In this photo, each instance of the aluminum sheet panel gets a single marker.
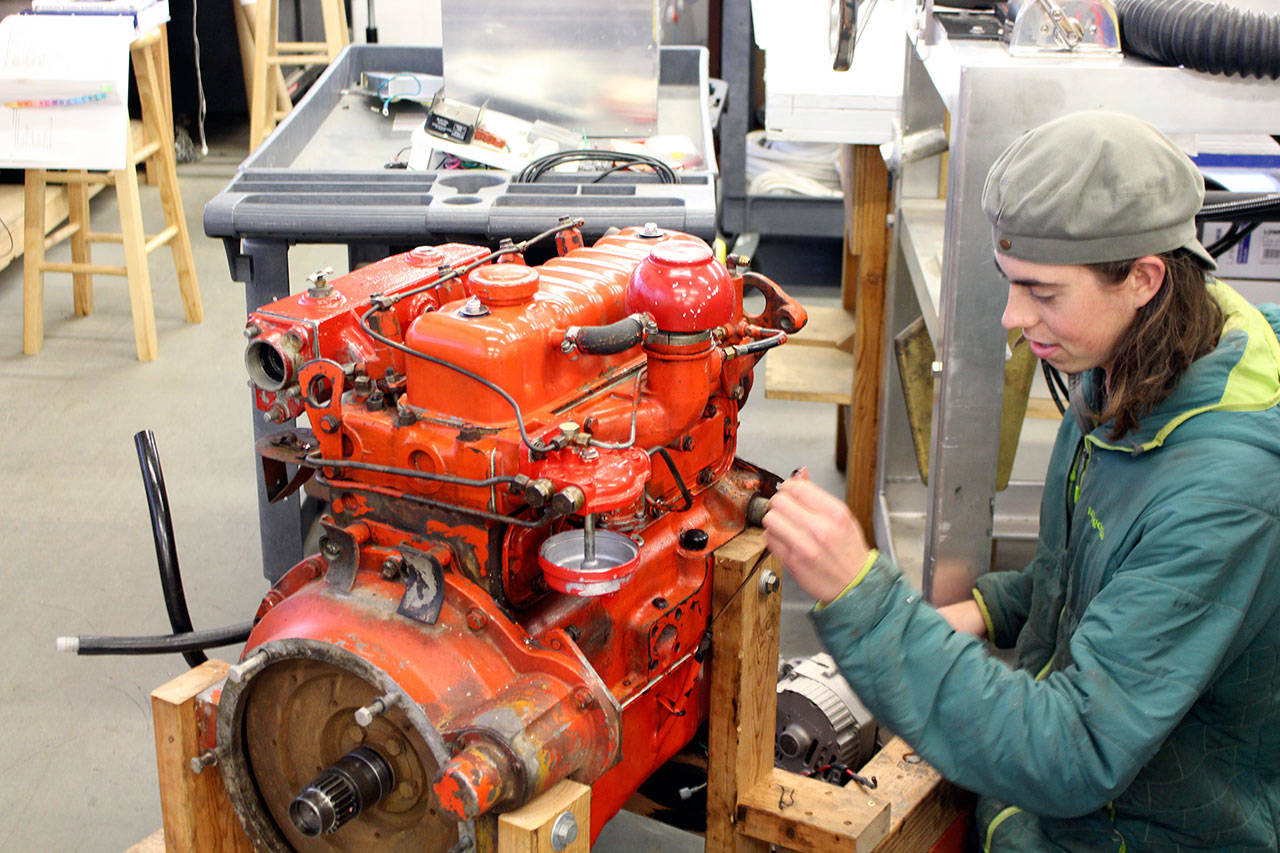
(586, 65)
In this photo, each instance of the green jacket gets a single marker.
(1143, 707)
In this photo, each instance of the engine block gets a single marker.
(527, 469)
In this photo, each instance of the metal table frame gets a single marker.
(942, 269)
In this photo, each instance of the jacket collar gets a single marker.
(1241, 374)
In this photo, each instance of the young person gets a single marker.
(1143, 708)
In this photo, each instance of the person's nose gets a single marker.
(1018, 313)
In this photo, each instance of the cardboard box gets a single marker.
(1256, 256)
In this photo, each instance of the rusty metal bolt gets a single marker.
(705, 476)
(252, 331)
(329, 547)
(329, 424)
(477, 619)
(582, 698)
(374, 403)
(391, 567)
(208, 758)
(362, 385)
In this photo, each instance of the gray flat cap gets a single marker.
(1092, 187)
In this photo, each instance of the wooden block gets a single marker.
(810, 374)
(744, 675)
(923, 805)
(800, 813)
(197, 812)
(528, 829)
(828, 326)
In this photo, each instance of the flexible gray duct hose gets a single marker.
(1203, 36)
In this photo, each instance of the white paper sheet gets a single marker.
(59, 57)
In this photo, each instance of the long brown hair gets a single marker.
(1181, 323)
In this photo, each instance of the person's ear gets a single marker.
(1145, 279)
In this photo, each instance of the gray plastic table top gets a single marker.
(321, 176)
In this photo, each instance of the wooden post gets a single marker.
(530, 828)
(197, 813)
(866, 258)
(744, 670)
(922, 804)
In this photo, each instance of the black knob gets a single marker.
(693, 540)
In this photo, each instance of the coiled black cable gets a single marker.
(536, 169)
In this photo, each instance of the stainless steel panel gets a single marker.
(586, 65)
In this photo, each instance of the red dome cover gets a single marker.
(682, 287)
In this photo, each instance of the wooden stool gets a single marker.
(148, 57)
(269, 53)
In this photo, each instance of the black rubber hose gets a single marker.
(175, 599)
(188, 643)
(611, 339)
(1203, 36)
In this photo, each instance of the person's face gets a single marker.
(1070, 317)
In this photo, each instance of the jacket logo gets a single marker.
(1097, 525)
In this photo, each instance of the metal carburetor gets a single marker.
(528, 469)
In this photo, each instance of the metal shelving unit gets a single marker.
(942, 533)
(781, 215)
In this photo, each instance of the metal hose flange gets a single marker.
(1203, 36)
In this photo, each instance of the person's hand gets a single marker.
(815, 537)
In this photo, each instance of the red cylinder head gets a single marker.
(683, 287)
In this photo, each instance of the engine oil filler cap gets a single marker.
(561, 557)
(682, 286)
(499, 285)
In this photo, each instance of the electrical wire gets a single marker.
(201, 109)
(354, 486)
(539, 167)
(189, 642)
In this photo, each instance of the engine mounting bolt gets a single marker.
(252, 331)
(564, 831)
(363, 385)
(391, 567)
(582, 698)
(208, 758)
(477, 619)
(329, 547)
(705, 476)
(374, 403)
(660, 603)
(329, 424)
(277, 414)
(709, 411)
(686, 443)
(241, 671)
(405, 415)
(769, 582)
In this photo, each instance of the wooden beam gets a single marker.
(867, 240)
(800, 813)
(530, 828)
(744, 675)
(923, 805)
(197, 813)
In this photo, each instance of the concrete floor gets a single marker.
(77, 766)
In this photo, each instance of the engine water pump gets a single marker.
(527, 470)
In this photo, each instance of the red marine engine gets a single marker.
(528, 469)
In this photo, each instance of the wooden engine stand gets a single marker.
(750, 804)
